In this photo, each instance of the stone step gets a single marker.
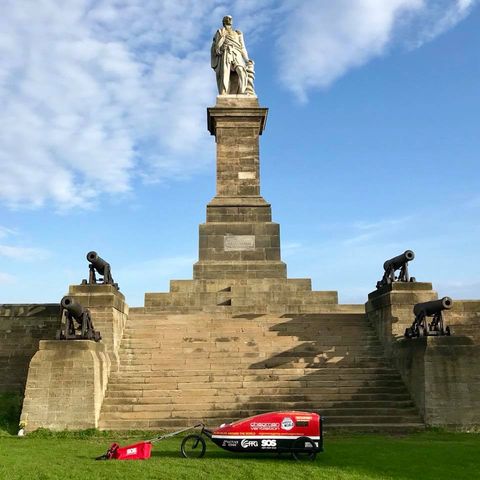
(324, 405)
(267, 338)
(236, 394)
(256, 319)
(128, 378)
(339, 372)
(233, 357)
(351, 311)
(225, 368)
(164, 330)
(344, 418)
(261, 340)
(186, 397)
(179, 321)
(171, 382)
(194, 354)
(295, 284)
(279, 309)
(239, 297)
(201, 410)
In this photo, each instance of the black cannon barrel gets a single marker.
(75, 309)
(433, 307)
(98, 262)
(399, 260)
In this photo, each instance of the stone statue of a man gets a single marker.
(230, 61)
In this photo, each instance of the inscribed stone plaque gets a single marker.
(246, 175)
(234, 243)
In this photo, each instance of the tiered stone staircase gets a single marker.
(177, 369)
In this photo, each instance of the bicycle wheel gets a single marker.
(193, 446)
(304, 449)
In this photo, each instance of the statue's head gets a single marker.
(227, 21)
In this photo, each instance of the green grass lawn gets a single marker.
(416, 457)
(70, 456)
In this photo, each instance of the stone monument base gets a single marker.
(442, 375)
(65, 386)
(244, 295)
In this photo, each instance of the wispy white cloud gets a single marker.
(366, 231)
(350, 257)
(16, 252)
(94, 93)
(442, 16)
(5, 232)
(26, 254)
(321, 40)
(97, 94)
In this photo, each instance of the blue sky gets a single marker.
(372, 141)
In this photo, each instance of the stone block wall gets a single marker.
(441, 373)
(21, 329)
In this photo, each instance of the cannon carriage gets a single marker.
(422, 311)
(400, 262)
(98, 265)
(76, 322)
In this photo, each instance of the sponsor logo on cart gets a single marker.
(265, 426)
(269, 444)
(287, 423)
(131, 451)
(249, 443)
(230, 443)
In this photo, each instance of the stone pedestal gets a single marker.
(239, 239)
(65, 386)
(390, 308)
(441, 373)
(443, 377)
(109, 314)
(239, 270)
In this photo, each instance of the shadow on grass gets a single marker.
(10, 409)
(225, 455)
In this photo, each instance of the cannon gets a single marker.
(102, 267)
(434, 309)
(400, 262)
(76, 322)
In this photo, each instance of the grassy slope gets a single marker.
(421, 456)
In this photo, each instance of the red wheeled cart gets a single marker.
(298, 433)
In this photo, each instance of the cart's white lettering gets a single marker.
(230, 443)
(287, 424)
(268, 443)
(131, 451)
(249, 443)
(265, 426)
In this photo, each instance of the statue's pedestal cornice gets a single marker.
(232, 109)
